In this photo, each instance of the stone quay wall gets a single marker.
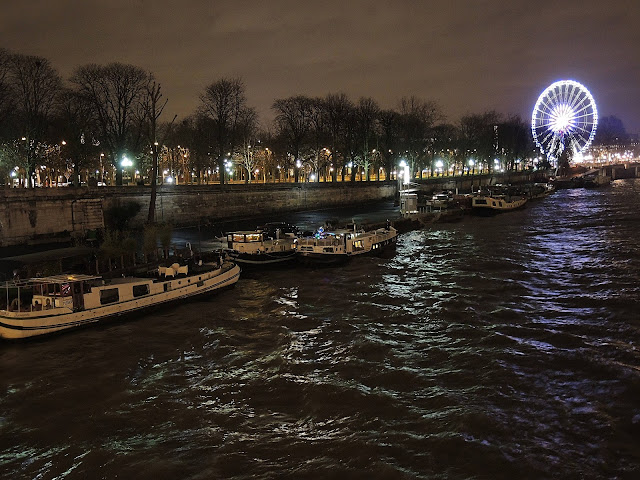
(45, 215)
(183, 205)
(42, 215)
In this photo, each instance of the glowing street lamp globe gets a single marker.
(565, 116)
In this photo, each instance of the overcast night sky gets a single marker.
(469, 56)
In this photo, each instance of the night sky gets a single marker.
(469, 56)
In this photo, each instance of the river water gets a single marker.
(503, 347)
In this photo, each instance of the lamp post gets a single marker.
(439, 165)
(126, 162)
(405, 176)
(101, 158)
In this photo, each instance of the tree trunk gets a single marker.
(76, 175)
(221, 169)
(154, 175)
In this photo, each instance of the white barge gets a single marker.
(39, 306)
(272, 244)
(491, 204)
(336, 247)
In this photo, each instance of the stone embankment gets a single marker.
(44, 215)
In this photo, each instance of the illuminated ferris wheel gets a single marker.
(565, 116)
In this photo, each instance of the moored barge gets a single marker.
(40, 306)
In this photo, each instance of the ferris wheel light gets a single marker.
(565, 116)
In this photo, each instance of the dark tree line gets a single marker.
(104, 119)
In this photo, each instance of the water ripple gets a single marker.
(492, 348)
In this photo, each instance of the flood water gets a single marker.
(504, 347)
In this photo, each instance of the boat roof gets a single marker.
(64, 278)
(53, 279)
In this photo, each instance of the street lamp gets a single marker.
(439, 165)
(101, 169)
(126, 162)
(404, 167)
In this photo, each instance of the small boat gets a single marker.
(539, 190)
(271, 244)
(440, 201)
(338, 246)
(442, 207)
(496, 200)
(39, 306)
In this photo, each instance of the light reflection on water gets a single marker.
(492, 348)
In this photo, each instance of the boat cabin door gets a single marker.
(78, 296)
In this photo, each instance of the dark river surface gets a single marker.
(504, 347)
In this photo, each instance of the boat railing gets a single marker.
(321, 242)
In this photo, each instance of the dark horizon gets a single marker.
(468, 58)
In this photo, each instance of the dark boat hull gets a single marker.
(380, 249)
(262, 259)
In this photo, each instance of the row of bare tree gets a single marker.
(106, 112)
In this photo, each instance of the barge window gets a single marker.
(140, 290)
(110, 295)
